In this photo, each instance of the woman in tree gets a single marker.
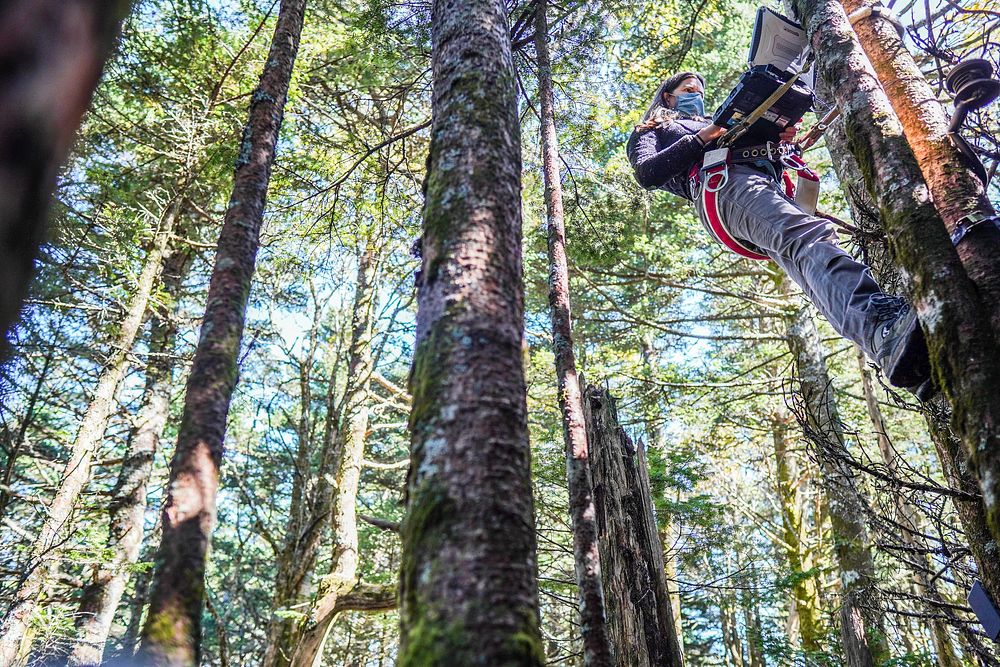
(748, 212)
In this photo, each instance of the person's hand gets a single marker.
(711, 132)
(788, 134)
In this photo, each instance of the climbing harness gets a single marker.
(713, 176)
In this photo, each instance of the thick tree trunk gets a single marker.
(963, 347)
(468, 587)
(597, 649)
(53, 52)
(127, 509)
(343, 575)
(172, 634)
(793, 530)
(54, 532)
(955, 190)
(862, 634)
(953, 458)
(640, 619)
(957, 194)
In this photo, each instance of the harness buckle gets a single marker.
(714, 185)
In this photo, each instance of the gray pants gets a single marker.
(754, 208)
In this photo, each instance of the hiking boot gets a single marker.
(900, 348)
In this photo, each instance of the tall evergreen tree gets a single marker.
(468, 587)
(172, 633)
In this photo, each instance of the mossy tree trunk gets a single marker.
(172, 633)
(957, 193)
(794, 526)
(954, 188)
(952, 456)
(586, 555)
(862, 632)
(57, 527)
(127, 509)
(468, 586)
(640, 617)
(57, 48)
(963, 346)
(343, 574)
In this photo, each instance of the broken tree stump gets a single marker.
(640, 619)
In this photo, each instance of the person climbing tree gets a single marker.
(747, 211)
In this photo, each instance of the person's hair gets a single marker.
(659, 113)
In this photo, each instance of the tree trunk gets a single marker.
(468, 587)
(957, 194)
(343, 575)
(793, 530)
(963, 348)
(172, 634)
(57, 527)
(862, 633)
(953, 458)
(597, 649)
(53, 53)
(127, 508)
(640, 619)
(955, 190)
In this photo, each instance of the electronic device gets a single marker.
(777, 53)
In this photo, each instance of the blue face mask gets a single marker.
(690, 103)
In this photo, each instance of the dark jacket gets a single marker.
(663, 156)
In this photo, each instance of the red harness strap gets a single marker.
(715, 179)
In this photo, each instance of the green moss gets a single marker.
(526, 644)
(430, 643)
(426, 376)
(426, 640)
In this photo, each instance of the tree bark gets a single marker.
(468, 587)
(862, 633)
(640, 618)
(127, 509)
(597, 649)
(963, 348)
(172, 633)
(955, 190)
(953, 458)
(56, 529)
(957, 193)
(52, 55)
(793, 530)
(343, 575)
